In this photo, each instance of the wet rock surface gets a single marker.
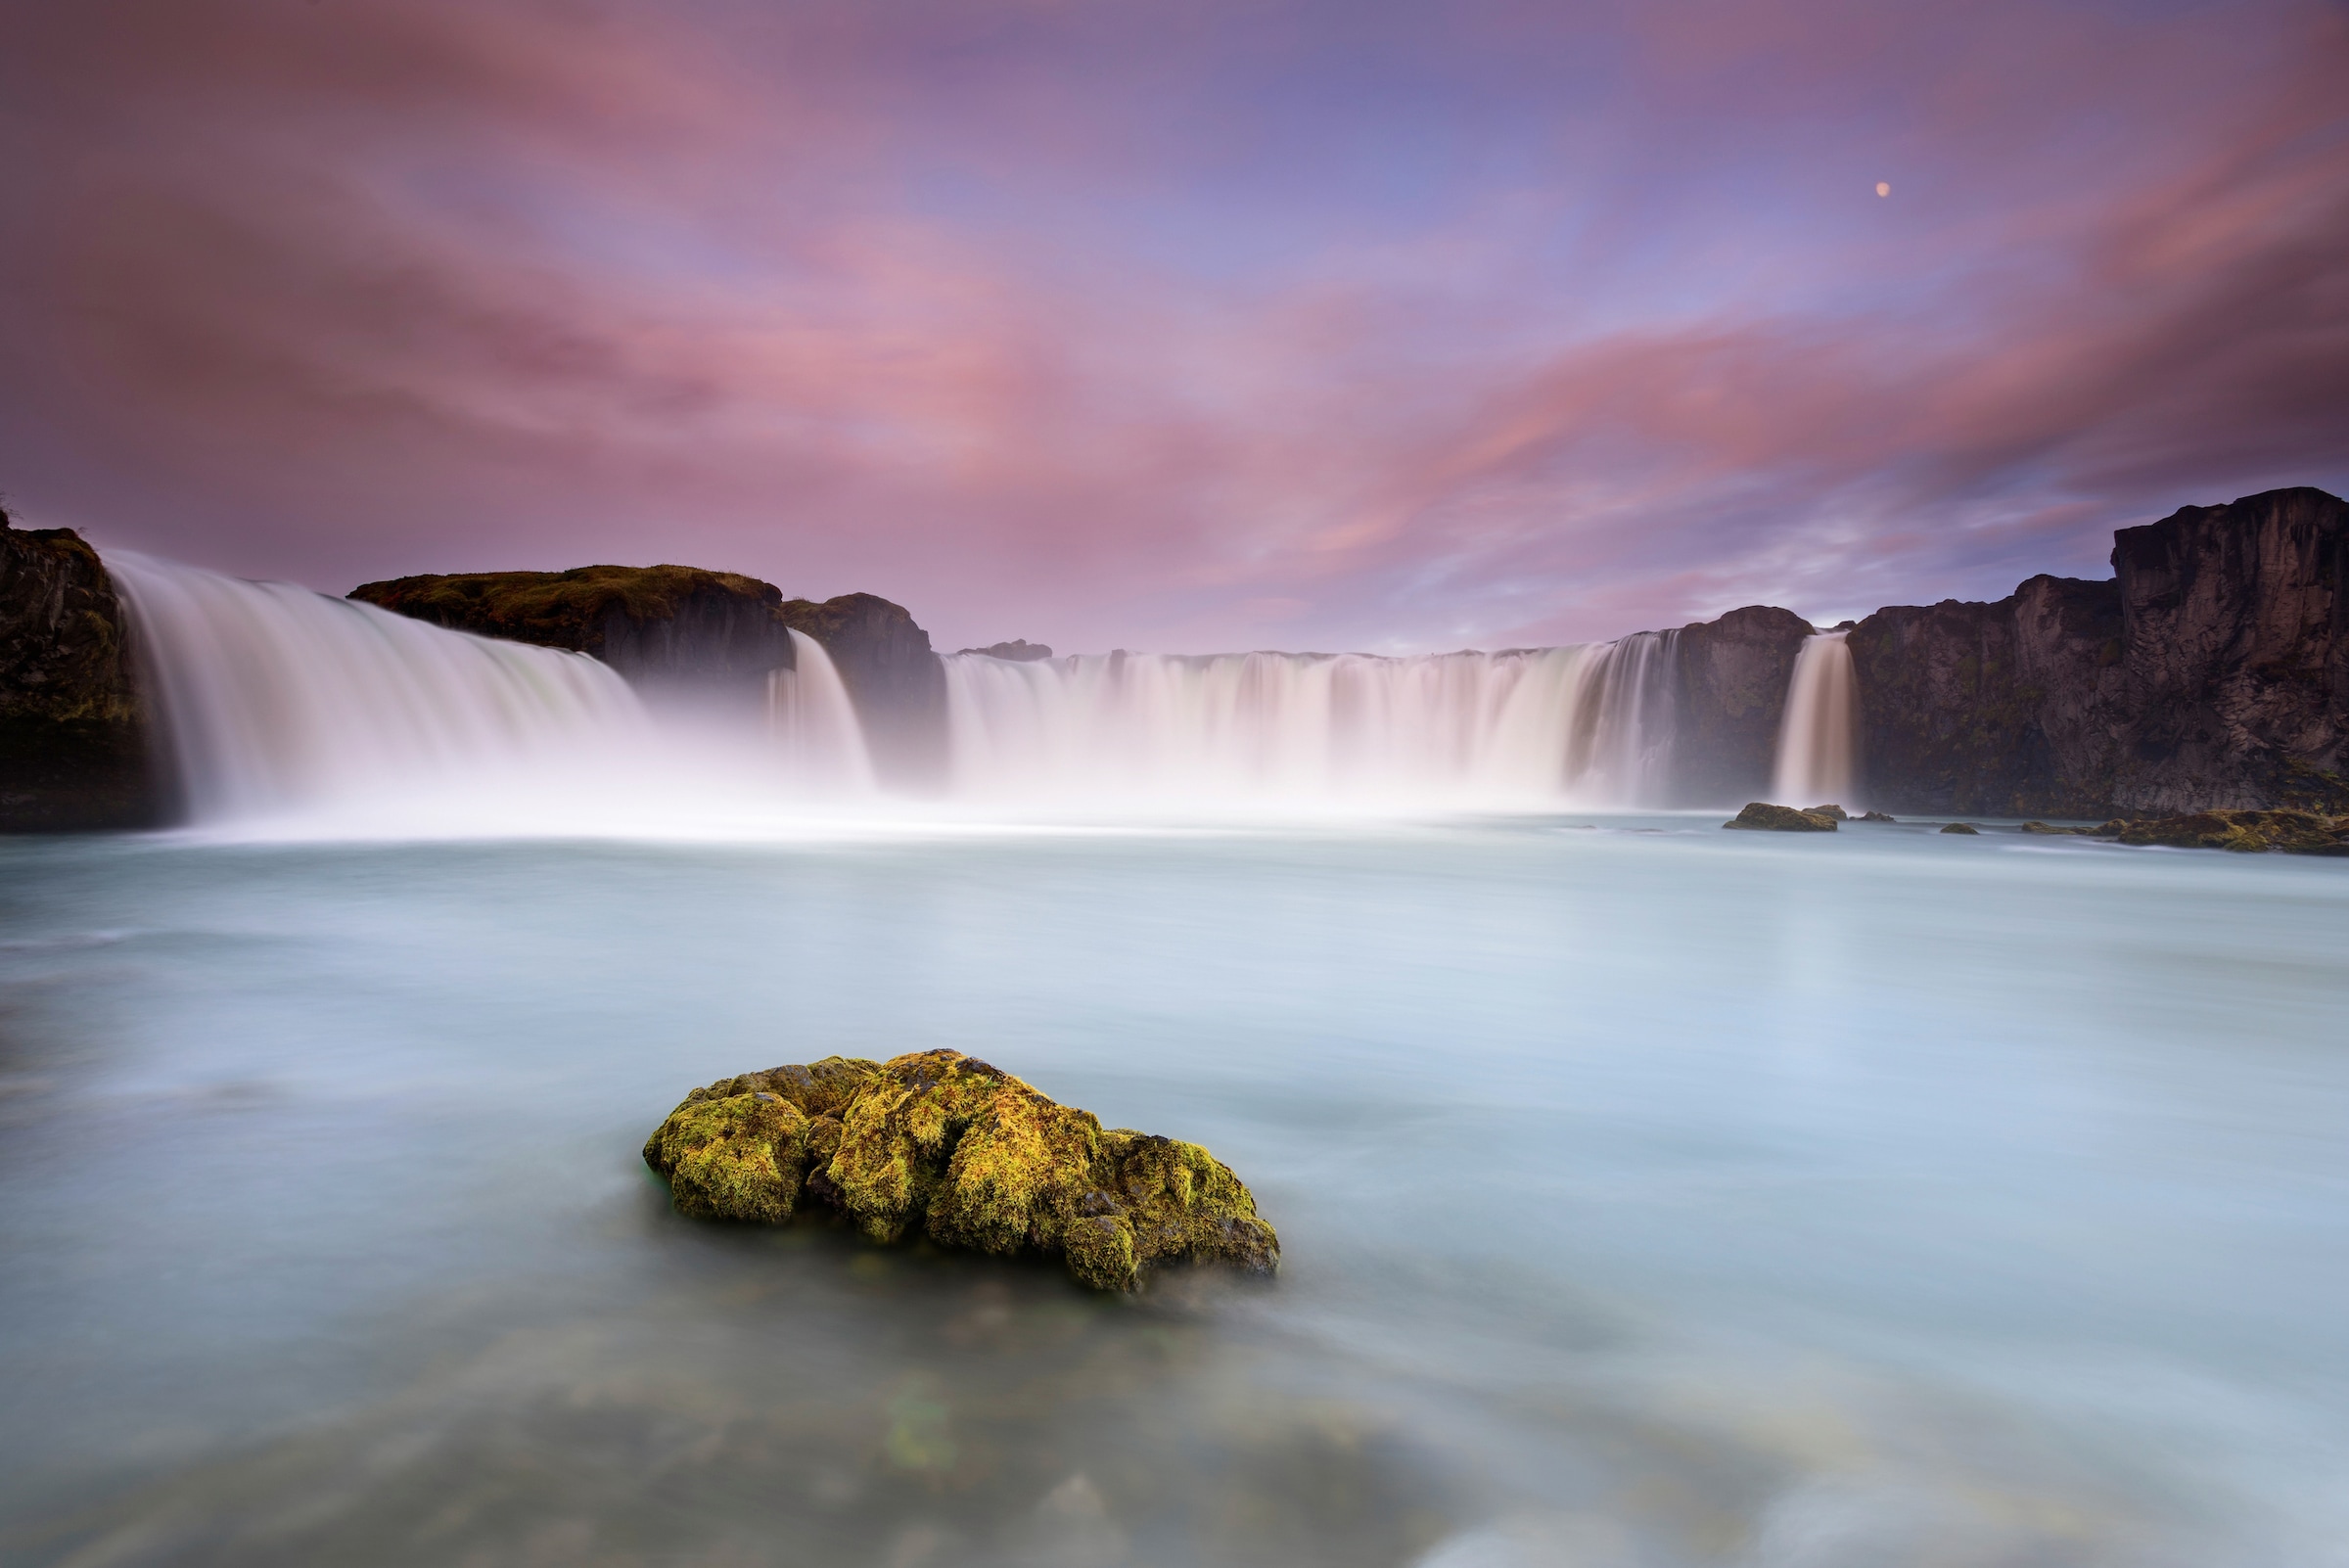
(2244, 832)
(944, 1145)
(1762, 817)
(73, 743)
(1966, 828)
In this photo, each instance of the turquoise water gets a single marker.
(1649, 1195)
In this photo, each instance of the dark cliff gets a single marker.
(74, 752)
(662, 626)
(2211, 672)
(696, 635)
(2236, 651)
(1990, 707)
(1732, 694)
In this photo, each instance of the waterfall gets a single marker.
(1818, 740)
(814, 724)
(277, 700)
(1530, 728)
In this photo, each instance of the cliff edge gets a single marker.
(74, 752)
(692, 634)
(2212, 670)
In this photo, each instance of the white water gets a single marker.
(814, 724)
(1536, 728)
(278, 702)
(285, 712)
(1818, 741)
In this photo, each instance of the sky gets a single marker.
(1309, 324)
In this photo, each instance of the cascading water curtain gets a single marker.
(1818, 740)
(814, 724)
(276, 700)
(1528, 729)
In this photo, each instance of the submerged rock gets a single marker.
(2052, 830)
(1960, 827)
(1762, 817)
(1877, 816)
(2244, 832)
(963, 1152)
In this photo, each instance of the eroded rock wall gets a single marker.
(74, 742)
(2236, 649)
(1733, 675)
(2001, 709)
(2211, 672)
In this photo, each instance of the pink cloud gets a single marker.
(993, 316)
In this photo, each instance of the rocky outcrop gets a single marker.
(73, 746)
(1760, 817)
(1019, 651)
(894, 677)
(1733, 675)
(2236, 654)
(2244, 832)
(2213, 670)
(1984, 707)
(968, 1155)
(665, 627)
(693, 634)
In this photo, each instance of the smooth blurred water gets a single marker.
(1651, 1195)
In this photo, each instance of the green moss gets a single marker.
(965, 1153)
(1760, 817)
(2242, 832)
(742, 1157)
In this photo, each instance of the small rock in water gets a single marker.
(963, 1151)
(2066, 832)
(1762, 817)
(1961, 828)
(1835, 811)
(1877, 816)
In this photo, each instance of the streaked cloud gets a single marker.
(1370, 326)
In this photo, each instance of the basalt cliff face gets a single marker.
(2211, 672)
(694, 634)
(1730, 699)
(73, 746)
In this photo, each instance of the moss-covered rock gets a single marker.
(1960, 827)
(963, 1152)
(1835, 811)
(1763, 817)
(1877, 816)
(2244, 832)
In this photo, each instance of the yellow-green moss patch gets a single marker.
(945, 1144)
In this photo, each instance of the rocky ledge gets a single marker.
(2245, 832)
(966, 1153)
(74, 750)
(1763, 817)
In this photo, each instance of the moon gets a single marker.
(1883, 188)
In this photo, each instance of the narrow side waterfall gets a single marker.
(814, 724)
(1530, 728)
(1818, 740)
(276, 700)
